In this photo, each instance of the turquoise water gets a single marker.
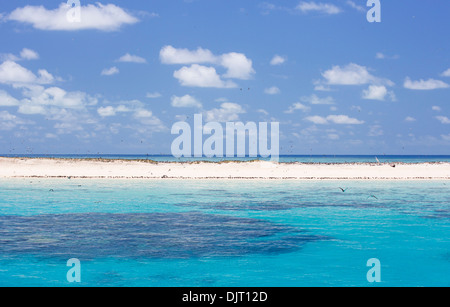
(282, 158)
(224, 233)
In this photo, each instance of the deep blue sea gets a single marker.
(224, 232)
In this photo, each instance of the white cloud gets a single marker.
(325, 8)
(336, 119)
(45, 77)
(153, 95)
(314, 99)
(110, 71)
(7, 100)
(262, 111)
(446, 137)
(382, 56)
(9, 57)
(443, 119)
(272, 90)
(277, 60)
(430, 84)
(142, 113)
(410, 119)
(30, 109)
(238, 66)
(171, 55)
(29, 54)
(297, 106)
(129, 58)
(201, 76)
(25, 54)
(375, 92)
(10, 121)
(186, 101)
(227, 112)
(446, 73)
(436, 108)
(344, 120)
(39, 100)
(356, 6)
(352, 74)
(109, 111)
(318, 120)
(11, 72)
(101, 17)
(321, 88)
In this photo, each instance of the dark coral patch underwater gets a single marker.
(154, 235)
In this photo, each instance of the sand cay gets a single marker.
(100, 168)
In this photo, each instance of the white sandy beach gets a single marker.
(59, 168)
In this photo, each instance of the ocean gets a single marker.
(224, 232)
(282, 158)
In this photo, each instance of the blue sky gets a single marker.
(118, 80)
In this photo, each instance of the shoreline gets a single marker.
(229, 170)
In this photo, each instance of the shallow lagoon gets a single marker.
(224, 233)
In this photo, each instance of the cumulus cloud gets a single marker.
(318, 120)
(10, 121)
(430, 84)
(277, 60)
(143, 113)
(13, 73)
(171, 55)
(272, 90)
(129, 58)
(101, 17)
(153, 95)
(352, 74)
(106, 111)
(39, 98)
(185, 101)
(297, 106)
(28, 54)
(336, 119)
(227, 112)
(7, 100)
(375, 92)
(443, 119)
(436, 108)
(324, 8)
(110, 71)
(410, 119)
(314, 99)
(201, 76)
(237, 66)
(446, 73)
